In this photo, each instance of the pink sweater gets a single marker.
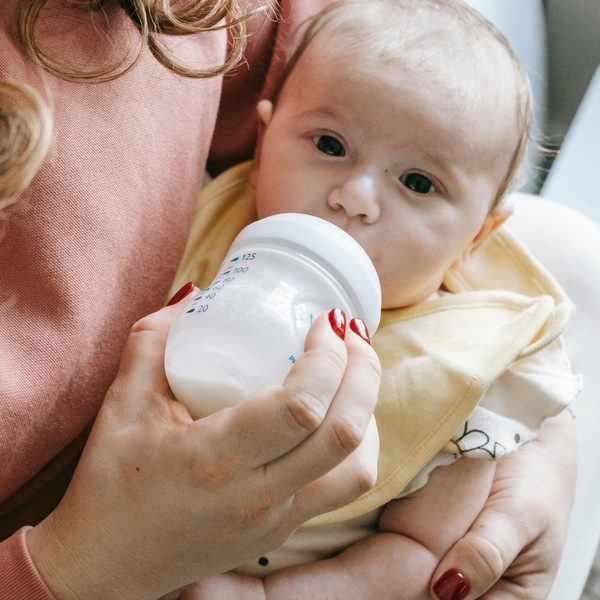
(97, 240)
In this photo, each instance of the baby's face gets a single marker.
(409, 173)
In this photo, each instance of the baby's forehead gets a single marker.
(427, 43)
(457, 53)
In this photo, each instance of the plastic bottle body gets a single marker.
(246, 330)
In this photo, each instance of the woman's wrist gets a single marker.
(72, 571)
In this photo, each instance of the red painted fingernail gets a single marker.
(181, 294)
(360, 329)
(337, 320)
(452, 585)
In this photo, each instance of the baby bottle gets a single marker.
(248, 327)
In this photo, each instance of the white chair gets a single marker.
(567, 241)
(562, 227)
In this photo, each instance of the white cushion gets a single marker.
(568, 244)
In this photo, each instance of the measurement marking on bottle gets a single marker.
(201, 309)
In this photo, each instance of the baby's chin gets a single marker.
(388, 302)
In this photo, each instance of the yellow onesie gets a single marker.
(463, 375)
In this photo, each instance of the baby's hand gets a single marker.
(228, 586)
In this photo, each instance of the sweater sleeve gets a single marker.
(19, 579)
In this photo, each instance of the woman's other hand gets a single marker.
(513, 549)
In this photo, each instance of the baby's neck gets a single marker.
(434, 296)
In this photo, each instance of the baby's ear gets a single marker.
(264, 109)
(497, 217)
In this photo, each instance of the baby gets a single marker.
(406, 124)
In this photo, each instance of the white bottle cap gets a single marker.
(324, 241)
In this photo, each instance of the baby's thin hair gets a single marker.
(25, 133)
(400, 36)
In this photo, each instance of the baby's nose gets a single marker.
(358, 197)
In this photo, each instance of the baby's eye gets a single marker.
(418, 183)
(330, 145)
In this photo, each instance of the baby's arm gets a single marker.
(414, 534)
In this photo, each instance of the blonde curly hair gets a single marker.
(152, 19)
(25, 132)
(25, 119)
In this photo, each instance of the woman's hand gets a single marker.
(159, 500)
(513, 549)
